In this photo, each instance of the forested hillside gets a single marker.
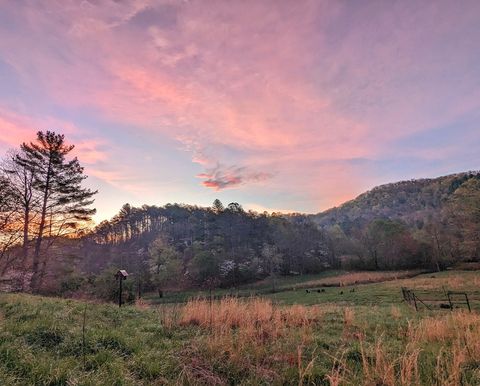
(186, 245)
(412, 201)
(48, 243)
(426, 222)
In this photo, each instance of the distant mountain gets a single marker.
(411, 201)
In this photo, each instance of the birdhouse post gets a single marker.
(121, 275)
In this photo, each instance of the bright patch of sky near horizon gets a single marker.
(277, 105)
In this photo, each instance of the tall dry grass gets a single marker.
(395, 312)
(256, 336)
(457, 282)
(363, 277)
(381, 367)
(458, 335)
(449, 327)
(348, 316)
(234, 313)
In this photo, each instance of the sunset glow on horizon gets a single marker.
(276, 105)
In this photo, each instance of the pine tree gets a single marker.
(64, 202)
(217, 206)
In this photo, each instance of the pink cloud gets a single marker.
(17, 128)
(90, 151)
(288, 88)
(221, 177)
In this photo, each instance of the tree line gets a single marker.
(48, 240)
(185, 245)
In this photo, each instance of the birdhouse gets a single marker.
(121, 274)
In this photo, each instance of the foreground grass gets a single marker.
(41, 342)
(243, 341)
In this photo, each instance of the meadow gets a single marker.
(289, 284)
(354, 334)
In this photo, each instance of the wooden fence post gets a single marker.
(468, 303)
(450, 301)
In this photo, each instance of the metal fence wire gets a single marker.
(436, 299)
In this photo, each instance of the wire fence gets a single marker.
(445, 299)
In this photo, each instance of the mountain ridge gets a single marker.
(406, 200)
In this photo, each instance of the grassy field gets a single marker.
(333, 278)
(427, 286)
(367, 336)
(281, 283)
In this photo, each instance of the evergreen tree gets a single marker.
(64, 202)
(217, 206)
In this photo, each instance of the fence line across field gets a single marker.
(447, 299)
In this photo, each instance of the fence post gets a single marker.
(450, 301)
(448, 298)
(415, 301)
(468, 303)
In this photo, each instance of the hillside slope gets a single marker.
(411, 201)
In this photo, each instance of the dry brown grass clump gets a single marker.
(360, 278)
(395, 312)
(348, 316)
(445, 328)
(457, 333)
(458, 282)
(234, 313)
(254, 334)
(379, 366)
(460, 334)
(257, 337)
(140, 304)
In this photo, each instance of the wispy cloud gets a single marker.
(94, 153)
(17, 127)
(297, 89)
(222, 177)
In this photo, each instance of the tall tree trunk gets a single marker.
(438, 251)
(38, 243)
(27, 197)
(26, 221)
(26, 224)
(43, 270)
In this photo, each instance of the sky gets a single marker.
(278, 105)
